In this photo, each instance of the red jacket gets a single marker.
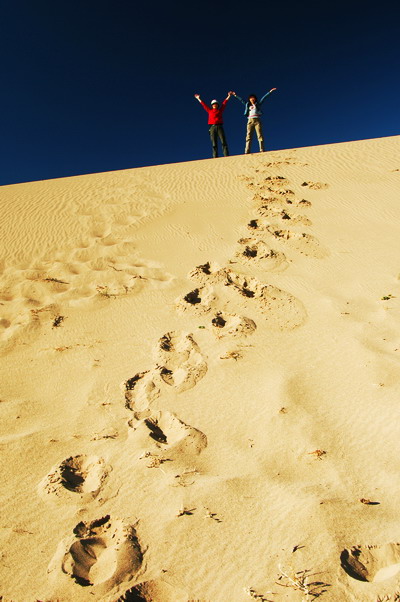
(214, 115)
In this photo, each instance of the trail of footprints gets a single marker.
(106, 552)
(279, 222)
(104, 264)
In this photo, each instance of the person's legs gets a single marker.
(249, 135)
(214, 139)
(221, 134)
(259, 133)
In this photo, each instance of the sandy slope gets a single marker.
(200, 380)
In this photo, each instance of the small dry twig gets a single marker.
(54, 280)
(186, 511)
(301, 581)
(213, 516)
(318, 453)
(231, 355)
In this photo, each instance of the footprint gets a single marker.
(256, 251)
(315, 185)
(199, 299)
(278, 181)
(232, 325)
(35, 293)
(73, 269)
(81, 475)
(277, 163)
(281, 309)
(301, 241)
(179, 361)
(101, 264)
(280, 202)
(165, 431)
(209, 272)
(83, 255)
(287, 193)
(136, 594)
(371, 563)
(271, 187)
(287, 161)
(102, 552)
(100, 230)
(140, 391)
(126, 248)
(149, 591)
(275, 212)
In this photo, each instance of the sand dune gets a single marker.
(200, 378)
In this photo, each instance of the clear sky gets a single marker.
(100, 85)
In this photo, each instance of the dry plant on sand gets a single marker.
(304, 582)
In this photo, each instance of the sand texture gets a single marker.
(200, 381)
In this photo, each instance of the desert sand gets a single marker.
(200, 380)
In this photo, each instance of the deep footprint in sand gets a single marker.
(179, 361)
(315, 185)
(279, 181)
(140, 391)
(209, 272)
(257, 251)
(281, 310)
(279, 202)
(371, 563)
(232, 325)
(200, 300)
(81, 476)
(165, 431)
(301, 241)
(102, 552)
(272, 188)
(276, 212)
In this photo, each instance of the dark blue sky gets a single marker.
(96, 85)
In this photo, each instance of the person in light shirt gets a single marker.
(253, 113)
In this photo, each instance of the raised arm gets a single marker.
(265, 96)
(238, 97)
(203, 104)
(223, 105)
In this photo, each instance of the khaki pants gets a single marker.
(254, 123)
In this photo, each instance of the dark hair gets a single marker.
(252, 96)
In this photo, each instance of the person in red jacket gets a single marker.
(215, 122)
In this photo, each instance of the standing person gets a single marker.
(215, 122)
(253, 112)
